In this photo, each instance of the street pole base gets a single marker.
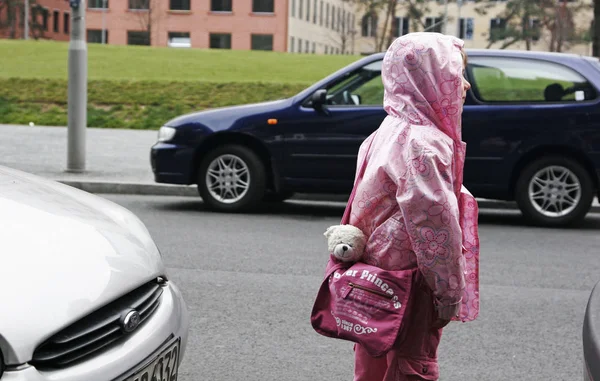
(75, 170)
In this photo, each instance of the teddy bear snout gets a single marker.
(345, 247)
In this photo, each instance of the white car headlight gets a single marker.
(166, 133)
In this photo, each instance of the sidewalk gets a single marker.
(117, 161)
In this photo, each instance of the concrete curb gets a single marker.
(146, 189)
(132, 188)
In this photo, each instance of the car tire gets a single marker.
(554, 191)
(231, 178)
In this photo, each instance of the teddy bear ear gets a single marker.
(328, 231)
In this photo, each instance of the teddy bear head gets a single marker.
(345, 242)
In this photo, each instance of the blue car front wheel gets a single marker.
(231, 178)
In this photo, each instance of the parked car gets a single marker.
(86, 294)
(591, 336)
(531, 122)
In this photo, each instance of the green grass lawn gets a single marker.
(143, 87)
(48, 60)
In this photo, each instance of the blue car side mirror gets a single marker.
(319, 101)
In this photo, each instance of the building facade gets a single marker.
(322, 27)
(294, 26)
(465, 20)
(299, 26)
(226, 24)
(49, 19)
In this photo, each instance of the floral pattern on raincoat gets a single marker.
(411, 202)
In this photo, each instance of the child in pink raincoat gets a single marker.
(411, 203)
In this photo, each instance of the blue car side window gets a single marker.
(364, 87)
(518, 80)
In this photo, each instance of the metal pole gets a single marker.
(26, 21)
(77, 102)
(104, 21)
(459, 5)
(445, 16)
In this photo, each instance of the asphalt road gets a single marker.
(250, 280)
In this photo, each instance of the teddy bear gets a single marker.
(345, 242)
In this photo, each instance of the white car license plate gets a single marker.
(163, 367)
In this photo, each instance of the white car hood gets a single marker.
(64, 253)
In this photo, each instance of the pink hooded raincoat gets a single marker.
(411, 202)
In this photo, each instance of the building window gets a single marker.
(306, 46)
(262, 42)
(263, 6)
(98, 4)
(327, 16)
(349, 26)
(326, 49)
(531, 27)
(315, 12)
(94, 36)
(400, 26)
(220, 41)
(66, 22)
(179, 40)
(497, 29)
(314, 48)
(299, 45)
(220, 6)
(56, 21)
(139, 4)
(321, 13)
(332, 17)
(179, 5)
(339, 19)
(433, 24)
(45, 15)
(307, 10)
(466, 28)
(301, 9)
(138, 38)
(293, 5)
(369, 25)
(292, 41)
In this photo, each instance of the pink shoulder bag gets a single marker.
(362, 303)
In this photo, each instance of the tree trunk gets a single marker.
(390, 5)
(392, 35)
(527, 31)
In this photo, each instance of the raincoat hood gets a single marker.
(422, 77)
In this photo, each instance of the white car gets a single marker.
(85, 295)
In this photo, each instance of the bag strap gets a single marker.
(359, 176)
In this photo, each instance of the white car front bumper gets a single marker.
(170, 321)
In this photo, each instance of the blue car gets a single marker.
(531, 122)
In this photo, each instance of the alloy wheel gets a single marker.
(554, 191)
(228, 178)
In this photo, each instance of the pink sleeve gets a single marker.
(430, 210)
